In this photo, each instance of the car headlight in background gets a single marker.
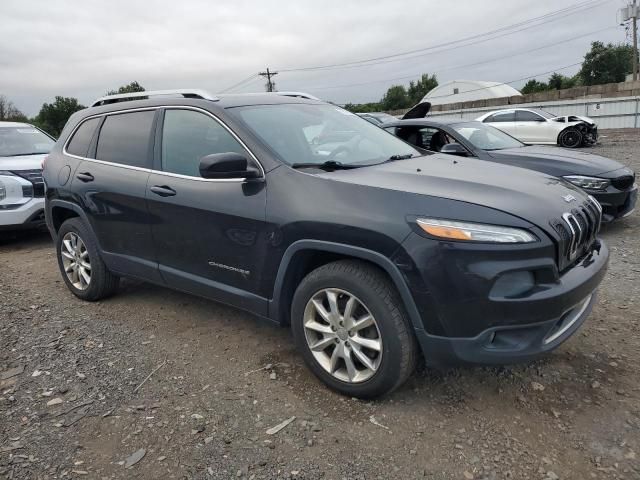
(14, 190)
(474, 232)
(588, 183)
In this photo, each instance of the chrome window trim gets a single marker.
(161, 172)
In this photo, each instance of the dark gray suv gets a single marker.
(307, 215)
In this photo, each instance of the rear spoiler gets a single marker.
(419, 111)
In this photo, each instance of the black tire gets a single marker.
(377, 294)
(102, 283)
(570, 138)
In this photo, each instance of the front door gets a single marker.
(209, 235)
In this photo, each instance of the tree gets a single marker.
(606, 63)
(9, 112)
(534, 86)
(53, 116)
(558, 81)
(417, 90)
(363, 107)
(396, 98)
(132, 87)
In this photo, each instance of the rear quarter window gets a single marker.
(125, 138)
(79, 144)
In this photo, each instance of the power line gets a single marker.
(497, 33)
(241, 82)
(514, 54)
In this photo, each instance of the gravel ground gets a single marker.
(74, 402)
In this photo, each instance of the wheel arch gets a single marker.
(304, 256)
(58, 211)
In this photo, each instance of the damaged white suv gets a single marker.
(535, 126)
(23, 148)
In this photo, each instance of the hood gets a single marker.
(22, 162)
(573, 119)
(556, 161)
(532, 196)
(419, 111)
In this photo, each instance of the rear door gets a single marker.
(210, 235)
(505, 121)
(111, 182)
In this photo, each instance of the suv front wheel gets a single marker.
(350, 325)
(82, 269)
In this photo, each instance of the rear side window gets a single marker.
(501, 117)
(187, 136)
(125, 138)
(79, 144)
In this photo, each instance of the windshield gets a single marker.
(315, 134)
(25, 140)
(486, 137)
(544, 113)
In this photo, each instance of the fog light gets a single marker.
(513, 284)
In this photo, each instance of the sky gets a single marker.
(83, 48)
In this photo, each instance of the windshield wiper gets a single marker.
(400, 157)
(328, 165)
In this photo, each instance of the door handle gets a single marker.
(163, 190)
(85, 177)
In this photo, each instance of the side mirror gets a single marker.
(454, 149)
(227, 165)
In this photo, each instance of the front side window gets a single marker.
(79, 144)
(187, 136)
(310, 133)
(23, 140)
(527, 116)
(502, 117)
(486, 137)
(125, 138)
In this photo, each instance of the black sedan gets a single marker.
(610, 182)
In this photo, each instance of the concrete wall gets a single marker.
(613, 105)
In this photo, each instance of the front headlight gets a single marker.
(588, 183)
(474, 232)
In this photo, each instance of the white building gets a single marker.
(468, 90)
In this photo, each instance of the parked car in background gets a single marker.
(368, 250)
(377, 118)
(536, 126)
(23, 148)
(610, 182)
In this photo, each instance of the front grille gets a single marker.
(577, 230)
(35, 177)
(623, 183)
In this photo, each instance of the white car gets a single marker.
(535, 126)
(22, 151)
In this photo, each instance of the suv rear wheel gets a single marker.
(350, 325)
(82, 269)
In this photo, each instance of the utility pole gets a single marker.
(635, 41)
(271, 85)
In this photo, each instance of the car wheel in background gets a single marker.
(351, 327)
(82, 269)
(570, 138)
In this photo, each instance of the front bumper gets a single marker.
(29, 215)
(465, 321)
(616, 203)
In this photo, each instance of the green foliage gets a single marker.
(534, 86)
(396, 98)
(417, 90)
(53, 116)
(558, 81)
(9, 112)
(132, 87)
(606, 63)
(363, 107)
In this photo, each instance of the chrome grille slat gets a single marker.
(577, 230)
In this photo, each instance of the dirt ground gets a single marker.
(71, 404)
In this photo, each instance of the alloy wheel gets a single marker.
(75, 260)
(342, 335)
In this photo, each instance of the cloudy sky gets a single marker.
(82, 48)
